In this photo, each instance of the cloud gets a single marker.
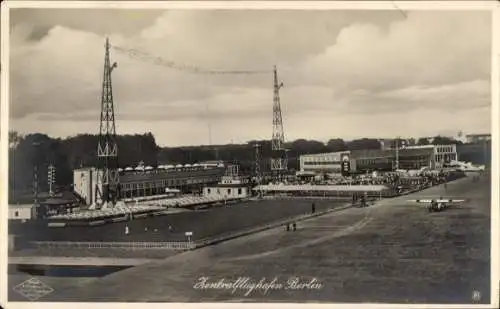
(472, 94)
(336, 66)
(428, 48)
(98, 21)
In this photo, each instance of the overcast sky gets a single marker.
(346, 74)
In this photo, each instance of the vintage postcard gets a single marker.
(278, 152)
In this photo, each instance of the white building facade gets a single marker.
(231, 186)
(21, 212)
(228, 192)
(442, 153)
(329, 163)
(84, 183)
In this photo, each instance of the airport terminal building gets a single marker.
(412, 157)
(147, 181)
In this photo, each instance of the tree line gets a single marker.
(67, 154)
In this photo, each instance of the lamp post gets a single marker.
(36, 203)
(396, 166)
(52, 178)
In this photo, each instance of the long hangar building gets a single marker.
(412, 157)
(147, 181)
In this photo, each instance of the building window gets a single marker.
(228, 191)
(208, 190)
(239, 191)
(16, 214)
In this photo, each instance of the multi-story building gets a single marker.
(442, 153)
(477, 138)
(146, 181)
(232, 185)
(323, 163)
(413, 157)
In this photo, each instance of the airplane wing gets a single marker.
(421, 201)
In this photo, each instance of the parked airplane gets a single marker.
(437, 205)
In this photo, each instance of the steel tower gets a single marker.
(257, 163)
(279, 160)
(258, 175)
(108, 180)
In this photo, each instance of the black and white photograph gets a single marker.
(181, 153)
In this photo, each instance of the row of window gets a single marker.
(386, 160)
(325, 170)
(322, 163)
(229, 190)
(361, 162)
(445, 149)
(446, 157)
(168, 183)
(369, 161)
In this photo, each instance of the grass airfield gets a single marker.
(392, 252)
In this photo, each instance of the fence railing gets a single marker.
(114, 245)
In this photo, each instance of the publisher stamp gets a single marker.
(33, 289)
(248, 286)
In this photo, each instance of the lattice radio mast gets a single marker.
(257, 163)
(108, 183)
(258, 174)
(279, 160)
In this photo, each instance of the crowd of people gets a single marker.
(399, 181)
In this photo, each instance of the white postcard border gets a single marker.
(293, 5)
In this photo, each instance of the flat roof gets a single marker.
(478, 135)
(21, 205)
(160, 175)
(229, 185)
(297, 188)
(325, 154)
(369, 153)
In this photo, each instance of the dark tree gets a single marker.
(66, 155)
(336, 145)
(363, 144)
(442, 140)
(423, 141)
(302, 146)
